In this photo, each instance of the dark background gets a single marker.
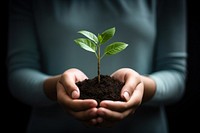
(182, 116)
(185, 115)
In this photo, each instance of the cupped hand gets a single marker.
(111, 112)
(68, 94)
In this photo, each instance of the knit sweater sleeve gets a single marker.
(170, 57)
(25, 78)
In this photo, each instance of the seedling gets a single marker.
(92, 43)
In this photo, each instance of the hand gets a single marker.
(68, 94)
(111, 112)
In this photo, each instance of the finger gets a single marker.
(85, 116)
(119, 106)
(112, 116)
(93, 122)
(136, 98)
(131, 82)
(73, 104)
(69, 79)
(82, 105)
(71, 89)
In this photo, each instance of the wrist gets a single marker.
(149, 88)
(50, 87)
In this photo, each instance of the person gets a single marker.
(44, 64)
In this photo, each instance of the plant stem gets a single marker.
(99, 58)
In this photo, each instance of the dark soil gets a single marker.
(108, 89)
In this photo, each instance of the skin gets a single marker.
(137, 89)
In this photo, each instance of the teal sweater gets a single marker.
(41, 44)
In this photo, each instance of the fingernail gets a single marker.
(126, 95)
(75, 94)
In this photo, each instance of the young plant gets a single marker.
(92, 43)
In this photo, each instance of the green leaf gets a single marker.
(107, 34)
(89, 35)
(86, 44)
(115, 48)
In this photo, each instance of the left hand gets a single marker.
(111, 112)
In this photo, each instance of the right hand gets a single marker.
(68, 94)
